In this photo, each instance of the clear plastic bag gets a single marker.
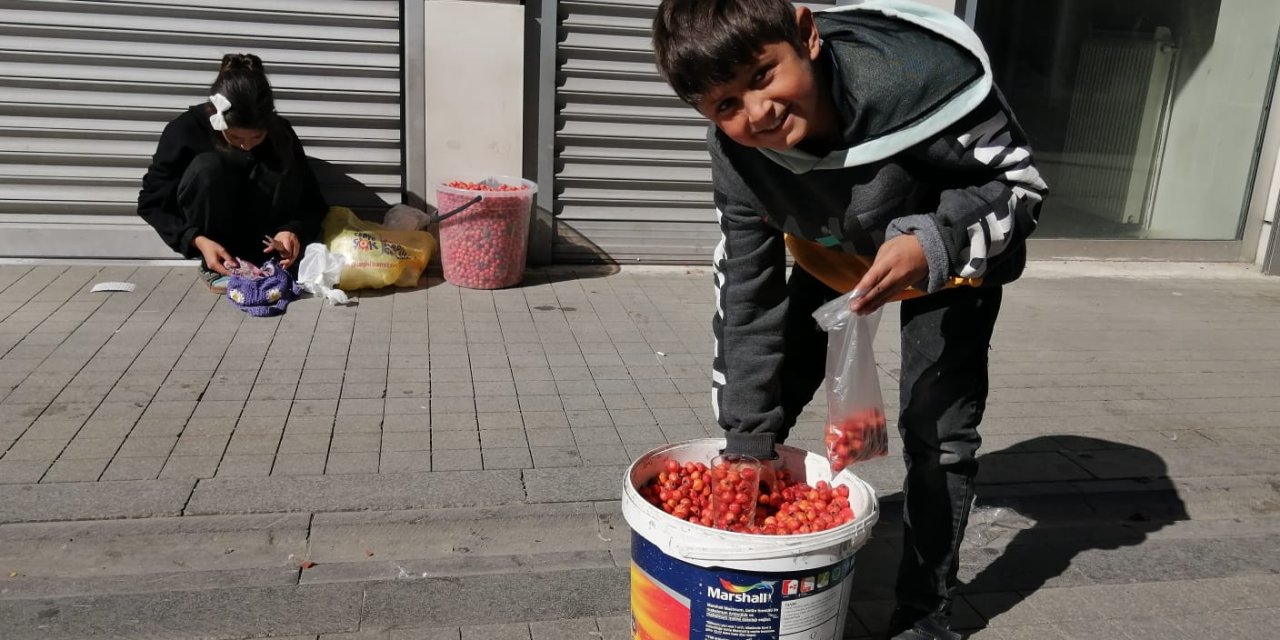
(403, 217)
(856, 429)
(319, 273)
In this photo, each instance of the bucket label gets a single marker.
(674, 600)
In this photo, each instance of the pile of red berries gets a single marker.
(855, 438)
(737, 499)
(481, 186)
(484, 246)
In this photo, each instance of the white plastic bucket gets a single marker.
(697, 583)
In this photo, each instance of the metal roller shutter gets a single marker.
(86, 88)
(633, 179)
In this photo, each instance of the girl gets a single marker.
(229, 180)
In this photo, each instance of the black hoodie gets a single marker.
(296, 202)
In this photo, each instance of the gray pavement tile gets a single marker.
(411, 375)
(574, 629)
(603, 455)
(545, 419)
(411, 406)
(299, 464)
(539, 386)
(456, 460)
(573, 484)
(451, 405)
(567, 374)
(582, 402)
(632, 418)
(355, 442)
(272, 391)
(589, 437)
(353, 406)
(52, 429)
(489, 389)
(423, 440)
(496, 404)
(138, 446)
(405, 423)
(363, 390)
(76, 470)
(209, 427)
(245, 465)
(503, 438)
(514, 631)
(506, 457)
(348, 462)
(317, 391)
(218, 408)
(359, 424)
(452, 421)
(309, 424)
(266, 408)
(30, 449)
(449, 440)
(492, 374)
(540, 403)
(564, 456)
(190, 466)
(614, 627)
(623, 402)
(236, 392)
(89, 448)
(22, 471)
(438, 633)
(589, 418)
(608, 387)
(254, 423)
(610, 373)
(92, 500)
(487, 421)
(304, 443)
(577, 388)
(550, 437)
(312, 377)
(686, 432)
(197, 445)
(404, 461)
(135, 468)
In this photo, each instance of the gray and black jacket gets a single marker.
(931, 150)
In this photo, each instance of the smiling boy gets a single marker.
(870, 142)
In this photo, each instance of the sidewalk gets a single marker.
(450, 459)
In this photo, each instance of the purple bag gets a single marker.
(262, 292)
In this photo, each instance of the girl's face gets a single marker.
(244, 139)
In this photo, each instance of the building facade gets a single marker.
(1153, 120)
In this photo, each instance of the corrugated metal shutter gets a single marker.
(633, 179)
(87, 86)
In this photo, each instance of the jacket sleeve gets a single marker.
(304, 220)
(158, 199)
(751, 304)
(994, 198)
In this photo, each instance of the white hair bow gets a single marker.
(222, 104)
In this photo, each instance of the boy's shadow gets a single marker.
(1041, 504)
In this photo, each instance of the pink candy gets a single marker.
(484, 246)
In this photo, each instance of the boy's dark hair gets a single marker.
(243, 82)
(702, 43)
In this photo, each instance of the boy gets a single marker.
(870, 142)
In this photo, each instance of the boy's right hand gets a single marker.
(215, 255)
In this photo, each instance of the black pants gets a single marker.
(227, 196)
(943, 382)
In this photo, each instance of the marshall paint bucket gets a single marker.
(690, 582)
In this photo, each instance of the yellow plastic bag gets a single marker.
(377, 257)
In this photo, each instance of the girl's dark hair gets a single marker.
(243, 82)
(701, 43)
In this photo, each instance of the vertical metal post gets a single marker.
(541, 37)
(414, 101)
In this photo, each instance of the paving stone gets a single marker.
(453, 422)
(401, 424)
(189, 445)
(566, 456)
(514, 631)
(134, 468)
(245, 465)
(404, 461)
(577, 629)
(30, 450)
(293, 443)
(586, 438)
(92, 500)
(545, 419)
(299, 464)
(352, 462)
(309, 425)
(355, 443)
(500, 421)
(446, 633)
(423, 441)
(501, 438)
(456, 460)
(604, 455)
(190, 466)
(76, 470)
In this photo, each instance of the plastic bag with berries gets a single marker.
(855, 429)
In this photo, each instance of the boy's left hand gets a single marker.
(899, 264)
(287, 245)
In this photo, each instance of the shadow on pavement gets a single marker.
(1041, 504)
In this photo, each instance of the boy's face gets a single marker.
(775, 102)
